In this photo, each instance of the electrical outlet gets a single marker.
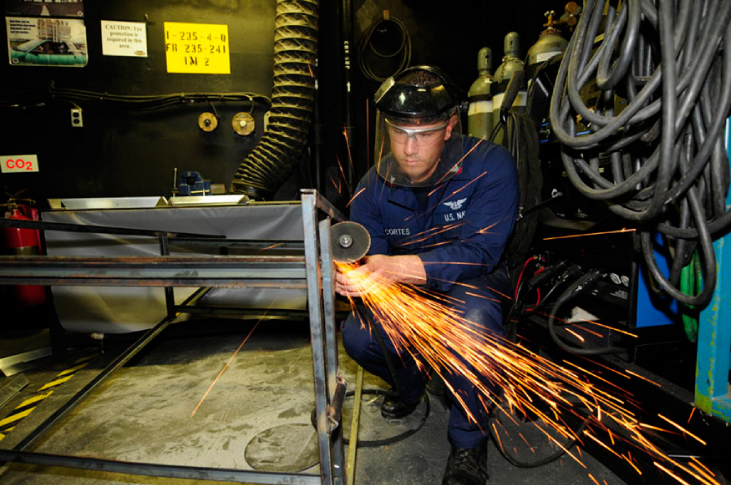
(77, 120)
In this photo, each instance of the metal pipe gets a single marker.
(157, 470)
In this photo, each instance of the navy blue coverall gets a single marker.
(469, 218)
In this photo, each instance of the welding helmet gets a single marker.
(418, 130)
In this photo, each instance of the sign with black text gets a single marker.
(197, 48)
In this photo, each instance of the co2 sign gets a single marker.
(19, 163)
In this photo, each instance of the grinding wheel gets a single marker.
(350, 242)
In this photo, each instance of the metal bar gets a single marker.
(169, 291)
(60, 226)
(336, 384)
(270, 314)
(354, 425)
(323, 204)
(175, 271)
(157, 470)
(98, 380)
(259, 245)
(158, 261)
(327, 267)
(314, 298)
(336, 404)
(233, 282)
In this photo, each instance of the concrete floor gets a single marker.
(257, 416)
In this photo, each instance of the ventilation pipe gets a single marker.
(293, 94)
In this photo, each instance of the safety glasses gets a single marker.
(421, 136)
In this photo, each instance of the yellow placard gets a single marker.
(197, 48)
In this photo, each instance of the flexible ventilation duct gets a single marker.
(293, 95)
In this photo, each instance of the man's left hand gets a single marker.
(380, 270)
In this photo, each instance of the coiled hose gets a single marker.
(293, 94)
(660, 162)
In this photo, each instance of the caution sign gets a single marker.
(197, 48)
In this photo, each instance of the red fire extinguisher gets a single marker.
(23, 242)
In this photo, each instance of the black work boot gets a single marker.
(394, 408)
(467, 466)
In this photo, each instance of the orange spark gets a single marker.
(335, 184)
(226, 366)
(481, 296)
(467, 184)
(592, 234)
(701, 468)
(272, 246)
(691, 414)
(618, 330)
(340, 165)
(432, 329)
(347, 144)
(368, 133)
(670, 473)
(641, 377)
(356, 195)
(685, 431)
(432, 232)
(459, 161)
(435, 189)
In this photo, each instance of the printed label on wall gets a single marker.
(46, 42)
(19, 163)
(197, 48)
(127, 39)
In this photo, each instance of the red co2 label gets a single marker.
(19, 163)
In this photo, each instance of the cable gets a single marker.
(513, 460)
(133, 103)
(367, 51)
(671, 62)
(582, 284)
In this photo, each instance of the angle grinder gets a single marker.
(349, 241)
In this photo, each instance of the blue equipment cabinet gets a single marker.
(712, 393)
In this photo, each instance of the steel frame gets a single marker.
(281, 271)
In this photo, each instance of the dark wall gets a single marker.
(445, 34)
(125, 152)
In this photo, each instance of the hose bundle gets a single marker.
(666, 167)
(293, 95)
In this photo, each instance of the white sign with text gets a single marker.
(127, 39)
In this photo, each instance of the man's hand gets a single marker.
(380, 270)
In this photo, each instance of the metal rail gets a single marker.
(314, 269)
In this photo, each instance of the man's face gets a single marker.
(417, 147)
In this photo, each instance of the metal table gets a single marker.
(313, 270)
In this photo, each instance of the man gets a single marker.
(439, 208)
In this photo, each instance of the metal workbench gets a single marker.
(305, 264)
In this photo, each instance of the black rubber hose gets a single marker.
(293, 93)
(582, 284)
(671, 62)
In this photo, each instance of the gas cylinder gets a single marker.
(503, 74)
(479, 114)
(550, 44)
(23, 242)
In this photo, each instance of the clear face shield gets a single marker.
(416, 152)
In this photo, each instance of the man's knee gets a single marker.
(487, 317)
(356, 339)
